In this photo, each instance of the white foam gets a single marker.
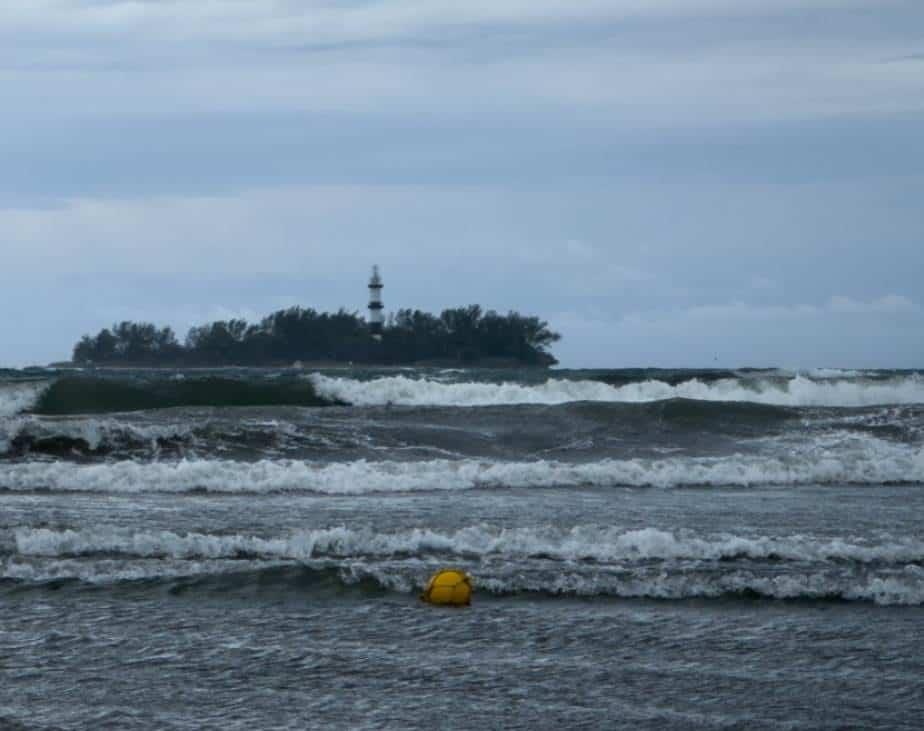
(580, 543)
(96, 432)
(798, 391)
(17, 397)
(116, 570)
(836, 373)
(887, 573)
(862, 461)
(902, 588)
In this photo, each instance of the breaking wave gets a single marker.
(259, 431)
(27, 434)
(84, 394)
(868, 461)
(899, 588)
(17, 397)
(580, 543)
(797, 391)
(544, 562)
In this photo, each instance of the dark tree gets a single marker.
(458, 335)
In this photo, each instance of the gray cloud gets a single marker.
(653, 177)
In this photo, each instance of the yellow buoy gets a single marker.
(448, 586)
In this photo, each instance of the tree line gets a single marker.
(460, 335)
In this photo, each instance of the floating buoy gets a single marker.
(448, 586)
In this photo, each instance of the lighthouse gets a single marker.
(376, 318)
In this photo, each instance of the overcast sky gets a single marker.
(681, 182)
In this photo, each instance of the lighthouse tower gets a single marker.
(376, 319)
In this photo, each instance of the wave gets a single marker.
(96, 395)
(327, 577)
(838, 373)
(868, 462)
(144, 436)
(28, 434)
(85, 394)
(253, 432)
(31, 572)
(580, 543)
(797, 391)
(905, 588)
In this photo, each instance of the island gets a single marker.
(466, 336)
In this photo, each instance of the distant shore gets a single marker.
(311, 365)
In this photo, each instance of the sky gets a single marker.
(673, 183)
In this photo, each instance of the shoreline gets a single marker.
(297, 366)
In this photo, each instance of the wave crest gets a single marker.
(797, 391)
(538, 562)
(579, 543)
(868, 462)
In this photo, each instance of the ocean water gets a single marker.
(649, 549)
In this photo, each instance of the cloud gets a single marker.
(801, 316)
(888, 304)
(879, 332)
(670, 172)
(320, 21)
(262, 230)
(518, 58)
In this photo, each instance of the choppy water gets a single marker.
(650, 549)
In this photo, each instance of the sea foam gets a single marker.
(579, 543)
(90, 433)
(589, 561)
(17, 397)
(868, 462)
(797, 391)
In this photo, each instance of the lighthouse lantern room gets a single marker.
(376, 318)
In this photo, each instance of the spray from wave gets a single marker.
(17, 397)
(14, 399)
(797, 391)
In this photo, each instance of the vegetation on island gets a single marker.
(464, 335)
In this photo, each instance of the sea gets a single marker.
(649, 549)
